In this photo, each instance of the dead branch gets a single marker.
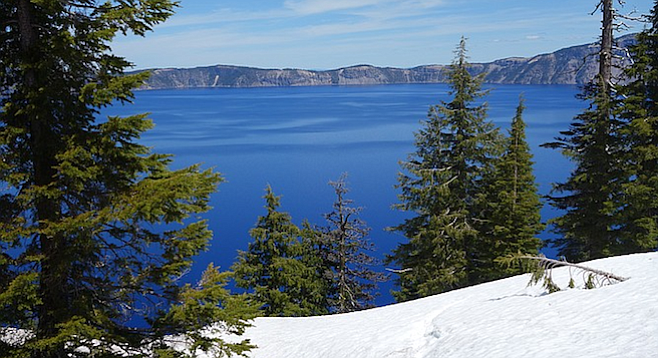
(550, 263)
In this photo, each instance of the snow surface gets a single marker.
(498, 319)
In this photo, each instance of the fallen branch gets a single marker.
(542, 271)
(557, 263)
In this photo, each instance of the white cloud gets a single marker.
(224, 16)
(308, 7)
(328, 34)
(367, 8)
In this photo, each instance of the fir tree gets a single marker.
(640, 114)
(511, 215)
(590, 225)
(279, 268)
(95, 229)
(343, 245)
(440, 185)
(210, 311)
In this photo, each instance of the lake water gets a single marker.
(297, 139)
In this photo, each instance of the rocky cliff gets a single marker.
(573, 65)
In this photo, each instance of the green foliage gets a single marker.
(639, 224)
(541, 270)
(510, 207)
(589, 284)
(343, 246)
(210, 310)
(609, 201)
(95, 229)
(440, 184)
(280, 268)
(588, 227)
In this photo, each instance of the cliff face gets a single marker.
(574, 65)
(234, 76)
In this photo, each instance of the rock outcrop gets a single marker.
(573, 65)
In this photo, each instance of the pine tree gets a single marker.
(95, 229)
(440, 185)
(511, 215)
(280, 268)
(343, 245)
(640, 114)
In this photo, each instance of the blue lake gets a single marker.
(297, 139)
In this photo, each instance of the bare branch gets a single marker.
(550, 263)
(439, 170)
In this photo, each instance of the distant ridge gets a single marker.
(572, 65)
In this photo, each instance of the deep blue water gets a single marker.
(297, 139)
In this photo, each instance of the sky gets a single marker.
(328, 34)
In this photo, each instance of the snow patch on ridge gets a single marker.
(499, 319)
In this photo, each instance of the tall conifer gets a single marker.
(591, 196)
(95, 229)
(440, 184)
(588, 229)
(640, 114)
(511, 217)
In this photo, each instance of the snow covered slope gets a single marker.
(497, 319)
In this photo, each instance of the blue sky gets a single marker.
(327, 34)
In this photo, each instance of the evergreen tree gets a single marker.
(280, 268)
(210, 311)
(511, 215)
(95, 230)
(343, 245)
(640, 114)
(590, 225)
(440, 185)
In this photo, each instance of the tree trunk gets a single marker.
(605, 56)
(39, 123)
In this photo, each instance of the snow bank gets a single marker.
(498, 319)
